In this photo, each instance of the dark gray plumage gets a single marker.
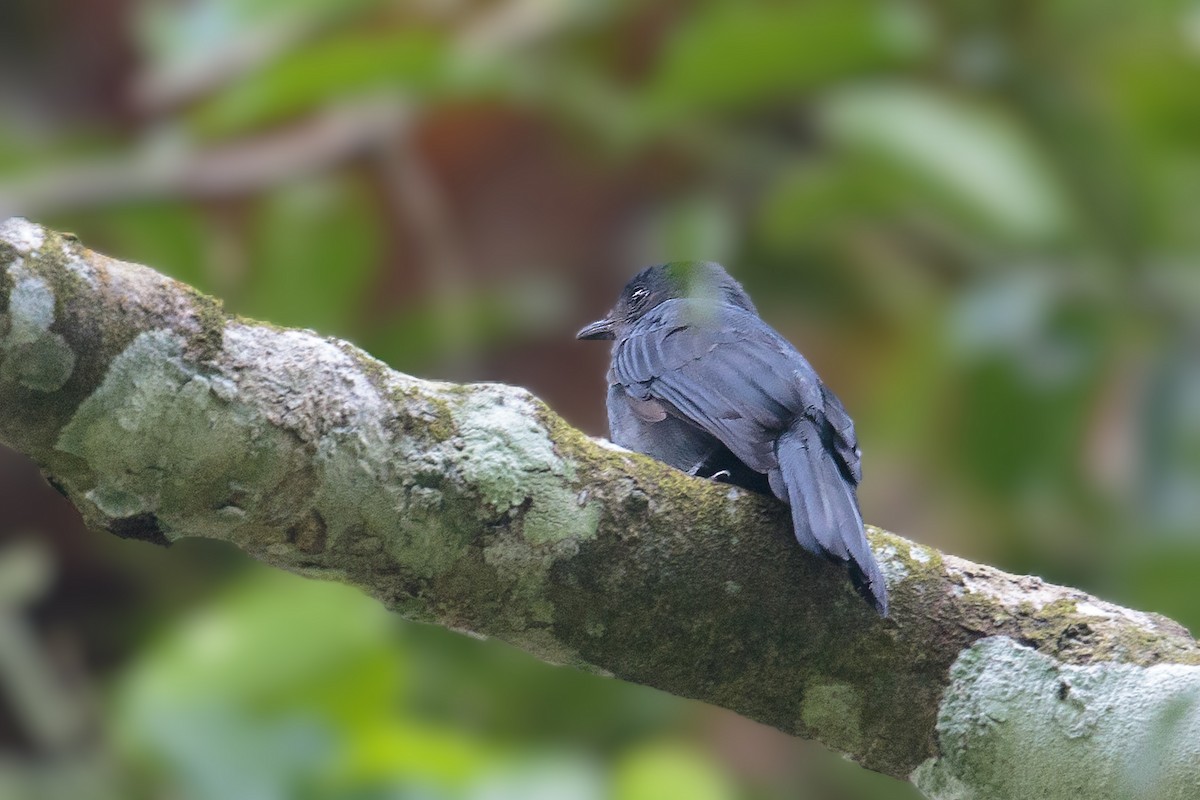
(699, 381)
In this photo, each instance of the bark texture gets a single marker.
(477, 508)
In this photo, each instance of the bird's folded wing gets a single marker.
(841, 435)
(729, 373)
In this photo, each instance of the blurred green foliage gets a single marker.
(977, 218)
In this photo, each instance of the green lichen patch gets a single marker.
(210, 319)
(421, 407)
(31, 354)
(1081, 632)
(906, 566)
(369, 481)
(425, 536)
(523, 569)
(43, 366)
(1016, 724)
(577, 448)
(506, 456)
(1066, 624)
(438, 421)
(31, 308)
(157, 439)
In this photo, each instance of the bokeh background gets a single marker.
(979, 219)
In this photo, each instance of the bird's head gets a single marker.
(706, 281)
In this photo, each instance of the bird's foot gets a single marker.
(700, 468)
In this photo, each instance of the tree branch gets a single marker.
(476, 507)
(334, 135)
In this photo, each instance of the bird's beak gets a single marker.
(600, 329)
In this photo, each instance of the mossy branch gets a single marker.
(476, 507)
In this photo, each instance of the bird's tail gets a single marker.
(825, 512)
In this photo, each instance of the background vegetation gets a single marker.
(978, 219)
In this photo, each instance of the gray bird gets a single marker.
(700, 382)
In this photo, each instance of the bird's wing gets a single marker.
(726, 371)
(841, 438)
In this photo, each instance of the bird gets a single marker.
(699, 381)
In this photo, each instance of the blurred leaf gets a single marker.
(974, 157)
(461, 682)
(82, 773)
(1170, 433)
(244, 700)
(493, 316)
(1149, 577)
(1006, 314)
(181, 36)
(1035, 356)
(317, 247)
(696, 228)
(412, 61)
(555, 776)
(730, 56)
(813, 200)
(393, 751)
(268, 643)
(669, 770)
(283, 685)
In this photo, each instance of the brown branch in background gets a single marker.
(177, 169)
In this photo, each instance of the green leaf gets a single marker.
(670, 770)
(318, 247)
(972, 158)
(412, 60)
(181, 38)
(731, 56)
